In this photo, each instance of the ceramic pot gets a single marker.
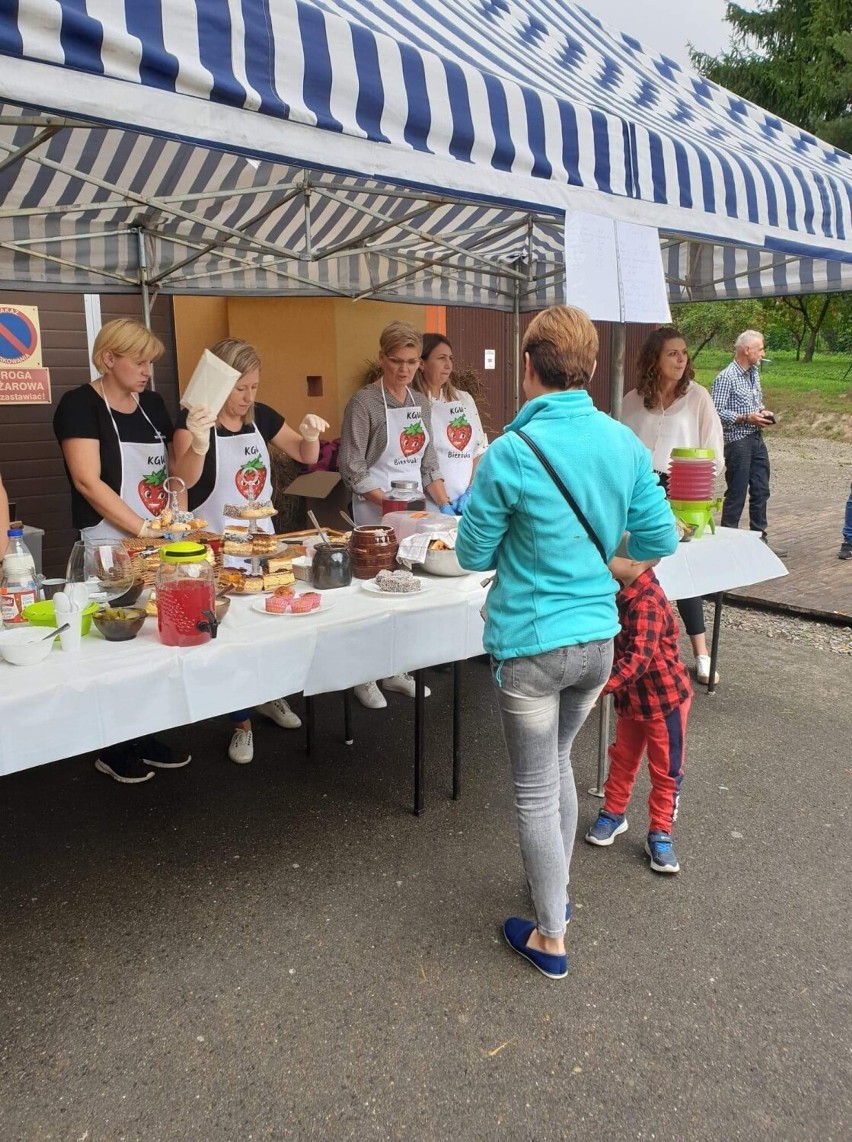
(373, 548)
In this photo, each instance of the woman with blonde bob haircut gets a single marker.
(116, 439)
(551, 613)
(387, 436)
(224, 460)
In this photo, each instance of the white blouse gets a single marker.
(690, 422)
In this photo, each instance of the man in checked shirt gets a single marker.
(652, 695)
(738, 399)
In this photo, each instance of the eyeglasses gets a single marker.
(399, 363)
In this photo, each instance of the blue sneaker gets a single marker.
(517, 931)
(606, 828)
(660, 849)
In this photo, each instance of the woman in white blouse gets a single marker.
(457, 433)
(667, 410)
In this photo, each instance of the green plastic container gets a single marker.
(43, 615)
(695, 513)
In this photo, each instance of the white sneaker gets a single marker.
(369, 695)
(403, 684)
(241, 749)
(280, 713)
(702, 669)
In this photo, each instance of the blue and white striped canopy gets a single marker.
(421, 150)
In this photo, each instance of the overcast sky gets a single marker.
(667, 25)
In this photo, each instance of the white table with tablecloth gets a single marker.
(111, 692)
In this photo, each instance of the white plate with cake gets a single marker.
(396, 585)
(294, 604)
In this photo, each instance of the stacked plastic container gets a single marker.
(692, 474)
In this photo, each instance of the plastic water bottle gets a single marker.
(19, 586)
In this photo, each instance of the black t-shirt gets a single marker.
(267, 421)
(82, 414)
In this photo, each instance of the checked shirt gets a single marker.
(648, 679)
(736, 392)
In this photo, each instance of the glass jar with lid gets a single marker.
(186, 595)
(404, 496)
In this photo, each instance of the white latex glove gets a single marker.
(199, 422)
(312, 426)
(147, 532)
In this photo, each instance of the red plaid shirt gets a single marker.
(648, 679)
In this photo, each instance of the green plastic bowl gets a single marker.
(43, 615)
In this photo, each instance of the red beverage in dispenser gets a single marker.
(180, 607)
(404, 496)
(692, 474)
(186, 595)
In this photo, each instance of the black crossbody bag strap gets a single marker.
(572, 503)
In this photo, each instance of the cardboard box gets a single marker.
(324, 494)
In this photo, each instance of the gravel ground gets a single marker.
(783, 628)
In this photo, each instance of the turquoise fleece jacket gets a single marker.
(552, 587)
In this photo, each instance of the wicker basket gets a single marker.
(145, 555)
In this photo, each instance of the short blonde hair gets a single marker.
(125, 338)
(398, 335)
(563, 347)
(243, 357)
(240, 355)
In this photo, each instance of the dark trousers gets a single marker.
(747, 472)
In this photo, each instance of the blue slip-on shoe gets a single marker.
(517, 931)
(660, 849)
(606, 828)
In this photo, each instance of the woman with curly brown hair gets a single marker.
(667, 410)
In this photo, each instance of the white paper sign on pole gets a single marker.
(614, 270)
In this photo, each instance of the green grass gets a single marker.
(809, 400)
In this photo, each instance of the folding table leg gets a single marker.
(714, 645)
(309, 725)
(604, 715)
(419, 740)
(348, 738)
(457, 681)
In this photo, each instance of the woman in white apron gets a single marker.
(387, 436)
(224, 460)
(115, 436)
(458, 436)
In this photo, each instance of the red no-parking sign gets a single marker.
(22, 379)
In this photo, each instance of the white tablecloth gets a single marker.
(115, 691)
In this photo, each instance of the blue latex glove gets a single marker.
(461, 501)
(447, 509)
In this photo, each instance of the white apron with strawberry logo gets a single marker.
(242, 473)
(454, 444)
(407, 440)
(143, 473)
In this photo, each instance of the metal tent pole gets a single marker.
(516, 347)
(142, 255)
(618, 344)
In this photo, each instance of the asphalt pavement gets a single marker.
(282, 951)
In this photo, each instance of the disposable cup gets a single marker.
(70, 640)
(49, 587)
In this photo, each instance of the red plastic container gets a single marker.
(692, 474)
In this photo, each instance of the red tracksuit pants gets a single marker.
(665, 741)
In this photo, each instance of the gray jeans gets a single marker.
(544, 700)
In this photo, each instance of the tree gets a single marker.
(793, 58)
(701, 322)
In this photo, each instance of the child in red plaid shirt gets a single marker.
(652, 694)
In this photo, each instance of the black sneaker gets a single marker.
(157, 753)
(122, 763)
(845, 551)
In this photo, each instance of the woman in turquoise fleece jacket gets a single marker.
(551, 612)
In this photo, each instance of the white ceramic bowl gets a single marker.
(26, 646)
(439, 562)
